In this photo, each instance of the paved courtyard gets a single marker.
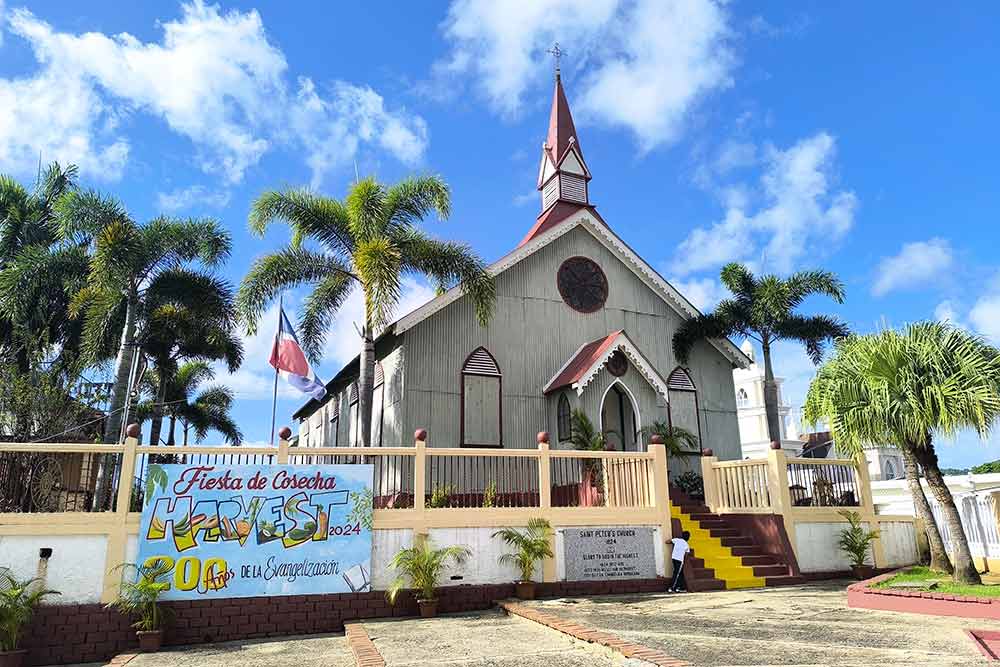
(800, 625)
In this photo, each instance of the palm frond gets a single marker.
(812, 331)
(319, 310)
(310, 216)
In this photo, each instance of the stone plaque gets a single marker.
(609, 552)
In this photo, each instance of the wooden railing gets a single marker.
(66, 489)
(742, 486)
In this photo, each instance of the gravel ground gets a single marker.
(316, 651)
(800, 625)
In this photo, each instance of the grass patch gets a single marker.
(922, 574)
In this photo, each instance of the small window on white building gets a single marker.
(742, 400)
(890, 469)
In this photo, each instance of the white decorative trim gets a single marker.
(637, 416)
(639, 361)
(612, 242)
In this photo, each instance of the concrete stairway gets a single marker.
(722, 557)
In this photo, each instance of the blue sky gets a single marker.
(786, 135)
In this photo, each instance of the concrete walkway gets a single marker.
(314, 651)
(484, 639)
(798, 625)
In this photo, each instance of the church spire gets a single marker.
(562, 174)
(563, 177)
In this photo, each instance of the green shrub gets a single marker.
(18, 599)
(422, 565)
(529, 546)
(855, 540)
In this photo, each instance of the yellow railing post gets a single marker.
(545, 501)
(710, 480)
(420, 483)
(283, 445)
(118, 534)
(867, 509)
(777, 487)
(661, 491)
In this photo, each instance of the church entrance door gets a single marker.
(620, 419)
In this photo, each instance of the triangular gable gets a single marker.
(546, 168)
(584, 365)
(585, 219)
(572, 164)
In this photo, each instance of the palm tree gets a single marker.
(197, 411)
(133, 269)
(39, 272)
(177, 332)
(676, 439)
(905, 388)
(763, 309)
(368, 241)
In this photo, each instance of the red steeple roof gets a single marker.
(561, 128)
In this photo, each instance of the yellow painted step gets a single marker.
(727, 567)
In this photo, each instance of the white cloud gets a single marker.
(799, 211)
(214, 78)
(985, 316)
(916, 264)
(946, 312)
(704, 293)
(189, 197)
(647, 62)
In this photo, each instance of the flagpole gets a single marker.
(274, 400)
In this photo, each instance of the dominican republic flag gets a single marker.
(288, 359)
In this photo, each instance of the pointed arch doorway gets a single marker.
(620, 421)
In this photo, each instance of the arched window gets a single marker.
(352, 410)
(482, 411)
(378, 395)
(682, 402)
(564, 426)
(742, 400)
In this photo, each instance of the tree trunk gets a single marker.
(366, 386)
(123, 367)
(156, 424)
(965, 568)
(185, 434)
(170, 433)
(119, 398)
(939, 555)
(770, 395)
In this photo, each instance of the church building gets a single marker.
(581, 322)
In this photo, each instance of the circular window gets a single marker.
(582, 284)
(617, 363)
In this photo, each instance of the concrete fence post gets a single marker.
(778, 490)
(709, 480)
(283, 444)
(661, 490)
(867, 509)
(545, 500)
(118, 534)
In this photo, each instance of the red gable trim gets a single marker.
(582, 361)
(555, 214)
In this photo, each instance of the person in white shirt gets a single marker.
(680, 550)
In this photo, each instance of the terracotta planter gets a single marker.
(863, 571)
(150, 640)
(524, 590)
(12, 658)
(428, 608)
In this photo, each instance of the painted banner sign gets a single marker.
(253, 530)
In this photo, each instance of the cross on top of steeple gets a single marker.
(557, 54)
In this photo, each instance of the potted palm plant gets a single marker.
(422, 564)
(139, 596)
(18, 599)
(855, 541)
(529, 547)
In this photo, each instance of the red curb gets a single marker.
(121, 659)
(594, 636)
(365, 653)
(863, 595)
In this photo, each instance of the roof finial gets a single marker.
(557, 53)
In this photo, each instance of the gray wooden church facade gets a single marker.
(581, 321)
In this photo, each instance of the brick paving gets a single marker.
(365, 653)
(588, 634)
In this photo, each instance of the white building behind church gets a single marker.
(884, 463)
